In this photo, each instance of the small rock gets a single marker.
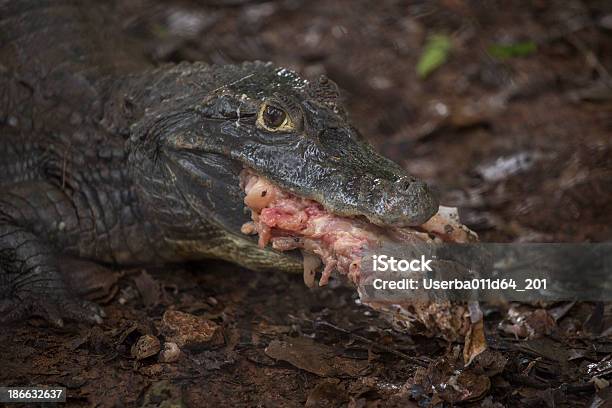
(170, 353)
(187, 330)
(146, 346)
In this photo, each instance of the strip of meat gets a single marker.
(292, 222)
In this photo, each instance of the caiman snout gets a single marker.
(401, 203)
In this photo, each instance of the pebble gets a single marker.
(170, 353)
(146, 346)
(187, 330)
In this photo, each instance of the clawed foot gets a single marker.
(54, 308)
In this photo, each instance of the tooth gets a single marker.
(311, 264)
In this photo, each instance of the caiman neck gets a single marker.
(66, 61)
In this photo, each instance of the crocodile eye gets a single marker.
(274, 119)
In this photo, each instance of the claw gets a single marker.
(83, 310)
(53, 309)
(98, 312)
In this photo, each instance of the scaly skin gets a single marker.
(107, 158)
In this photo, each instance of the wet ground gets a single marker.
(514, 128)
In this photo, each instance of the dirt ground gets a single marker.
(521, 144)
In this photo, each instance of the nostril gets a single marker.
(403, 184)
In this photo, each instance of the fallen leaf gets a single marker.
(517, 49)
(314, 357)
(446, 381)
(434, 55)
(475, 342)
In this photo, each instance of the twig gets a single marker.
(591, 58)
(415, 360)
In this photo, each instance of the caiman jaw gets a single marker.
(292, 222)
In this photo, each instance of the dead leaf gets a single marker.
(547, 348)
(314, 357)
(475, 342)
(446, 381)
(489, 363)
(523, 322)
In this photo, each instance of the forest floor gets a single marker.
(513, 128)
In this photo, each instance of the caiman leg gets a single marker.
(35, 220)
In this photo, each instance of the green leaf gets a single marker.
(519, 49)
(434, 55)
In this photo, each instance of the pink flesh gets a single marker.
(291, 222)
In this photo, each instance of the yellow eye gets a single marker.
(274, 119)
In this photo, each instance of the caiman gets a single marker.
(108, 158)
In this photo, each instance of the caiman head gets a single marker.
(187, 151)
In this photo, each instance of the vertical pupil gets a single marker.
(273, 117)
